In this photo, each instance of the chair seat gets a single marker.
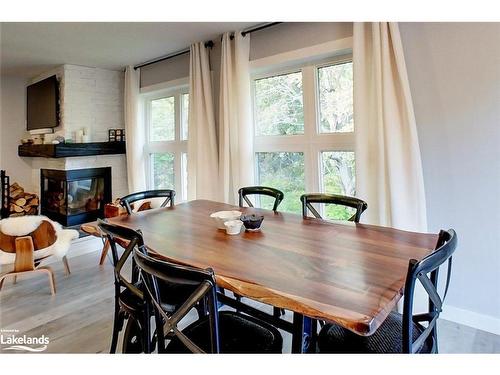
(172, 297)
(386, 339)
(238, 334)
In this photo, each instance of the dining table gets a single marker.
(346, 273)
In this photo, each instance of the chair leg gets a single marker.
(116, 328)
(434, 334)
(277, 312)
(52, 281)
(2, 278)
(160, 337)
(104, 252)
(146, 328)
(237, 297)
(314, 336)
(67, 271)
(15, 280)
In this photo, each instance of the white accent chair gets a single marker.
(28, 240)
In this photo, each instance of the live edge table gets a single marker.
(346, 273)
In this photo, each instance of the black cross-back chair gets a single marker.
(260, 190)
(409, 332)
(217, 332)
(307, 199)
(129, 301)
(149, 194)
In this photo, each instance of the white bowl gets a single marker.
(233, 226)
(220, 217)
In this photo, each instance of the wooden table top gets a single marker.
(351, 274)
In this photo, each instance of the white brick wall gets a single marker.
(92, 98)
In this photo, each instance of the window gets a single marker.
(304, 133)
(166, 115)
(279, 107)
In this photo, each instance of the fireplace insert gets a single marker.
(76, 196)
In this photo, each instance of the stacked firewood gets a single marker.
(22, 203)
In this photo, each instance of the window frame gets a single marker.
(177, 146)
(312, 143)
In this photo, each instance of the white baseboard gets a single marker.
(472, 319)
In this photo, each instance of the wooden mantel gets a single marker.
(67, 150)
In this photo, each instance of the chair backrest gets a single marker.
(260, 190)
(307, 199)
(154, 271)
(43, 237)
(131, 239)
(149, 194)
(427, 272)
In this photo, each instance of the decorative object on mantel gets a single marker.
(86, 135)
(82, 135)
(26, 141)
(38, 139)
(78, 136)
(116, 135)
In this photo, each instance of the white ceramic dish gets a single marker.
(233, 226)
(220, 217)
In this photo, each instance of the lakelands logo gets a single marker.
(12, 341)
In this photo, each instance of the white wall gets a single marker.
(454, 73)
(13, 128)
(290, 36)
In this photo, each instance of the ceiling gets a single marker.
(28, 49)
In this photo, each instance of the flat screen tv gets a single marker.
(43, 104)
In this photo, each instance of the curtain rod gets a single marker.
(261, 27)
(208, 44)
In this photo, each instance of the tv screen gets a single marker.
(43, 104)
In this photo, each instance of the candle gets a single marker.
(79, 136)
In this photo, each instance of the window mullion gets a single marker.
(177, 153)
(147, 160)
(310, 156)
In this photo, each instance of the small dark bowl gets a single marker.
(252, 222)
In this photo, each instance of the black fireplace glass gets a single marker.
(75, 196)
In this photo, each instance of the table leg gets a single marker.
(302, 333)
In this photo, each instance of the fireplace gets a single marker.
(75, 196)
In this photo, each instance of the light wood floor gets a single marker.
(78, 319)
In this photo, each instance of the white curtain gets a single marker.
(389, 169)
(202, 138)
(235, 117)
(135, 135)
